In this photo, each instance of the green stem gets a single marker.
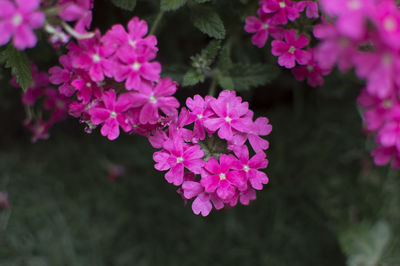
(156, 22)
(213, 85)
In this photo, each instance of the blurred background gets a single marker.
(78, 199)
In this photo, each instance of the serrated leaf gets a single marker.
(125, 4)
(169, 5)
(209, 22)
(192, 78)
(211, 51)
(365, 245)
(224, 60)
(20, 67)
(225, 82)
(248, 76)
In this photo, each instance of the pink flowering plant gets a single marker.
(116, 79)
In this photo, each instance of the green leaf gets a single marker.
(208, 22)
(20, 67)
(192, 77)
(169, 5)
(211, 51)
(224, 60)
(365, 245)
(125, 4)
(248, 76)
(225, 82)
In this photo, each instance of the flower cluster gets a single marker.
(45, 106)
(115, 82)
(273, 15)
(364, 35)
(204, 152)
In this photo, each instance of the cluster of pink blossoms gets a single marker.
(19, 19)
(204, 152)
(365, 34)
(273, 16)
(44, 104)
(112, 81)
(115, 82)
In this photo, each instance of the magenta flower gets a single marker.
(383, 155)
(249, 167)
(386, 17)
(91, 56)
(176, 156)
(260, 127)
(380, 69)
(86, 87)
(202, 202)
(262, 26)
(200, 112)
(352, 15)
(312, 71)
(219, 178)
(282, 10)
(311, 8)
(19, 20)
(112, 114)
(290, 51)
(63, 76)
(231, 116)
(151, 99)
(135, 68)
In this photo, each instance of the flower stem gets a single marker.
(156, 22)
(213, 85)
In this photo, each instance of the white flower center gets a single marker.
(136, 66)
(228, 119)
(310, 68)
(265, 26)
(246, 168)
(88, 84)
(179, 159)
(132, 43)
(354, 4)
(17, 20)
(199, 116)
(222, 176)
(390, 23)
(152, 99)
(292, 49)
(96, 58)
(113, 114)
(282, 4)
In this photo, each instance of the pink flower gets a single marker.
(77, 10)
(311, 8)
(380, 69)
(230, 112)
(63, 76)
(334, 48)
(176, 156)
(262, 27)
(112, 114)
(57, 103)
(383, 155)
(260, 127)
(290, 51)
(19, 20)
(200, 112)
(282, 10)
(386, 16)
(352, 15)
(219, 178)
(135, 68)
(151, 99)
(312, 71)
(249, 167)
(91, 56)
